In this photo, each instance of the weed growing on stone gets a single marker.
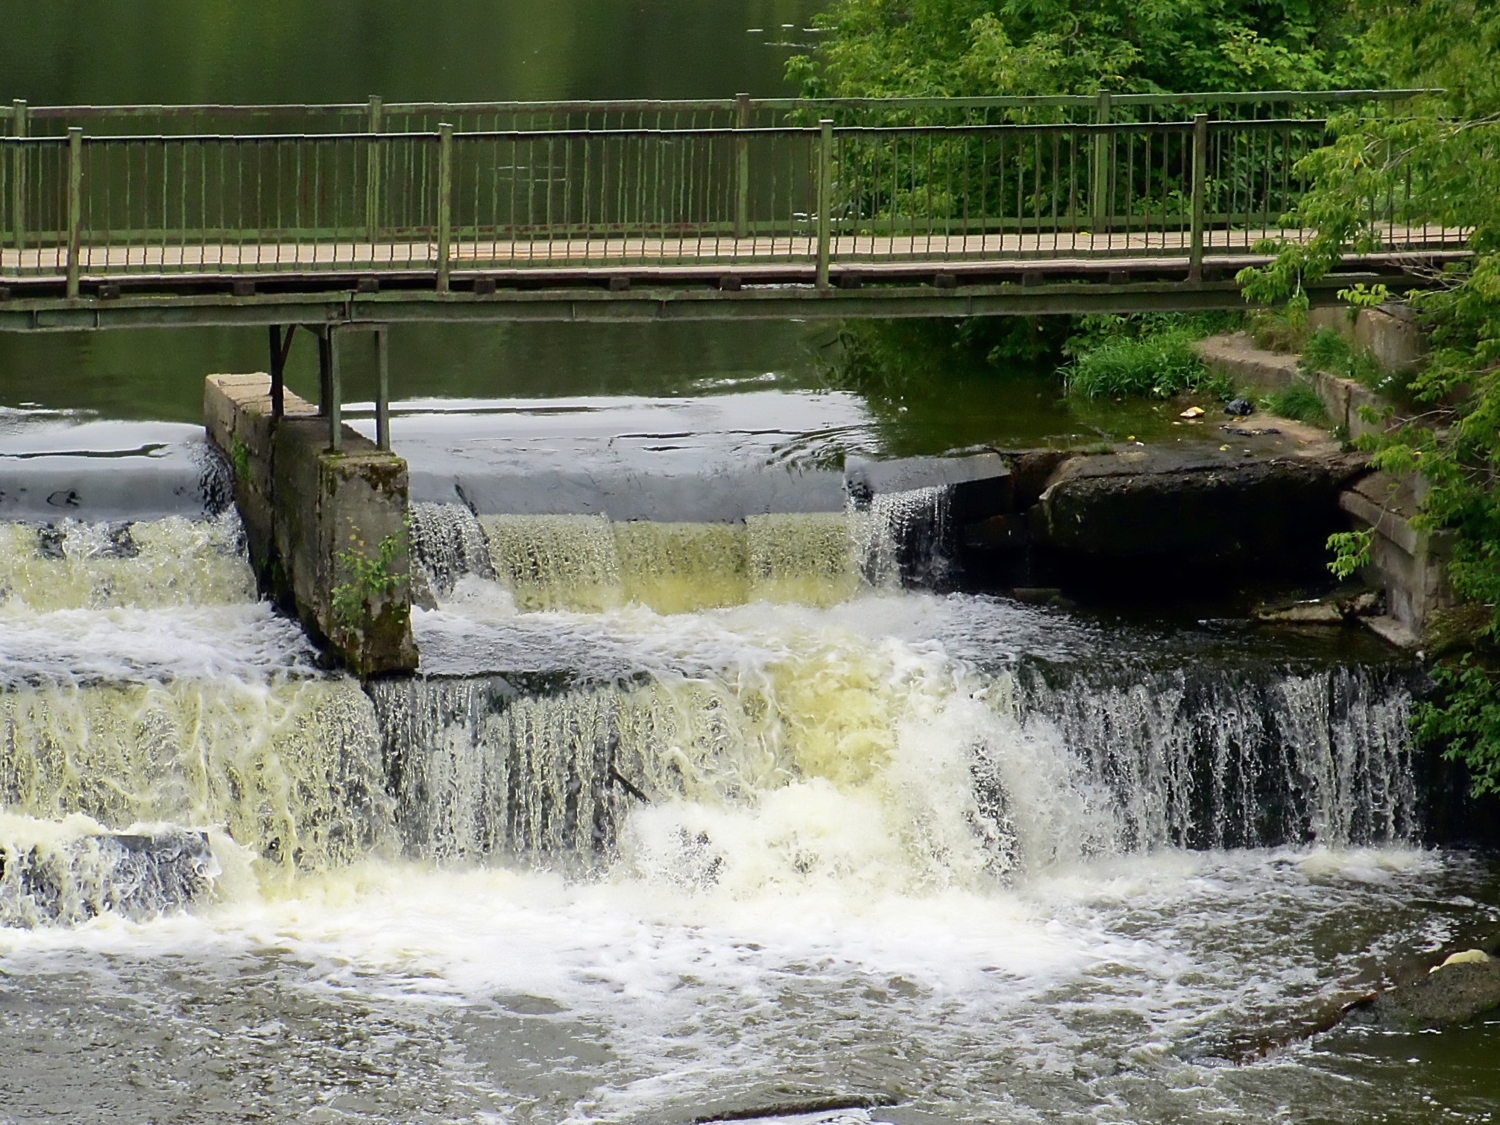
(369, 579)
(1298, 401)
(1327, 350)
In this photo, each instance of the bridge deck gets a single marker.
(269, 258)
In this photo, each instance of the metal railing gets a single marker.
(376, 115)
(435, 203)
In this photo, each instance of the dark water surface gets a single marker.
(292, 51)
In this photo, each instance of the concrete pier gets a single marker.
(327, 528)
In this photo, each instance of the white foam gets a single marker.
(247, 642)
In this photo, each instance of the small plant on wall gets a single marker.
(369, 580)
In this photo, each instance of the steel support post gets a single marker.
(335, 394)
(325, 369)
(825, 197)
(383, 389)
(1199, 200)
(444, 202)
(281, 346)
(75, 206)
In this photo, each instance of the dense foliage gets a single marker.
(1442, 165)
(1147, 356)
(978, 47)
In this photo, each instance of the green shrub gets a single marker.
(1157, 365)
(1327, 350)
(1298, 401)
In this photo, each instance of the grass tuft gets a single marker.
(1155, 365)
(1298, 401)
(1327, 350)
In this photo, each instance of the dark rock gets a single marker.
(1337, 608)
(1454, 993)
(45, 879)
(996, 533)
(1171, 508)
(1239, 407)
(1241, 431)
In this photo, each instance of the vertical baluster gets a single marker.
(18, 124)
(741, 167)
(825, 176)
(373, 169)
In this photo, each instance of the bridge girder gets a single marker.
(340, 301)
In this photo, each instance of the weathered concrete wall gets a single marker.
(1249, 367)
(1409, 563)
(1390, 333)
(327, 530)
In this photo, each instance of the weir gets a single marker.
(583, 721)
(661, 732)
(643, 790)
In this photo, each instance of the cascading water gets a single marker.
(142, 684)
(668, 803)
(1058, 761)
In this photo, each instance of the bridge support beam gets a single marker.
(327, 528)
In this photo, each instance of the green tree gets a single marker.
(979, 47)
(1440, 165)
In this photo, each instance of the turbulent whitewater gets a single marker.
(683, 819)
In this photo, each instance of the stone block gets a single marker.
(327, 530)
(1236, 357)
(1410, 563)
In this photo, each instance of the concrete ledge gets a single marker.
(1193, 507)
(1411, 564)
(327, 530)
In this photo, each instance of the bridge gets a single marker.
(588, 210)
(366, 215)
(327, 220)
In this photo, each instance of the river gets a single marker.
(682, 818)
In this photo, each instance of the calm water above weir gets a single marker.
(682, 818)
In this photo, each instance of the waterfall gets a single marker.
(591, 563)
(1011, 772)
(1209, 757)
(905, 539)
(146, 563)
(446, 544)
(142, 684)
(734, 705)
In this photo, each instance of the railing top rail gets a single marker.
(686, 132)
(1240, 97)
